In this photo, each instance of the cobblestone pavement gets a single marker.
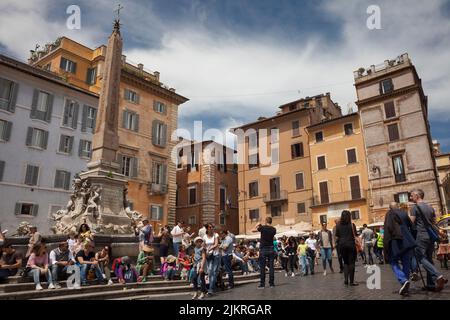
(329, 287)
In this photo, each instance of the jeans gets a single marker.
(36, 274)
(312, 261)
(303, 261)
(84, 268)
(57, 270)
(424, 253)
(326, 254)
(402, 273)
(176, 248)
(369, 248)
(4, 273)
(212, 267)
(170, 274)
(266, 254)
(227, 265)
(198, 279)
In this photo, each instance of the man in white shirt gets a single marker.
(60, 259)
(311, 251)
(177, 237)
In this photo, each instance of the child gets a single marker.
(72, 241)
(302, 257)
(186, 264)
(198, 274)
(171, 267)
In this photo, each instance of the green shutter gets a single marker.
(67, 181)
(136, 127)
(94, 121)
(75, 115)
(45, 140)
(33, 114)
(124, 119)
(13, 97)
(35, 175)
(7, 132)
(84, 118)
(154, 132)
(61, 143)
(29, 175)
(164, 135)
(29, 136)
(134, 167)
(70, 145)
(48, 115)
(56, 185)
(35, 209)
(120, 162)
(66, 113)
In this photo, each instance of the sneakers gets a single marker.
(195, 295)
(110, 282)
(272, 286)
(51, 286)
(286, 274)
(404, 289)
(39, 287)
(260, 287)
(325, 273)
(293, 274)
(77, 286)
(440, 283)
(201, 296)
(57, 286)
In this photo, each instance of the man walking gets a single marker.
(326, 247)
(311, 251)
(266, 252)
(367, 236)
(423, 216)
(177, 236)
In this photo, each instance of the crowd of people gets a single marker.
(407, 241)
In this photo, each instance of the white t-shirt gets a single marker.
(175, 230)
(209, 242)
(311, 243)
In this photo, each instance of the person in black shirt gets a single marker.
(345, 234)
(266, 252)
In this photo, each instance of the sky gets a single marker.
(237, 60)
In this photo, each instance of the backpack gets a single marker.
(129, 276)
(115, 265)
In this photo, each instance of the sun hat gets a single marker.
(198, 238)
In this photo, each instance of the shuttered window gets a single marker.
(131, 96)
(297, 150)
(301, 208)
(70, 117)
(91, 75)
(394, 135)
(31, 175)
(159, 133)
(41, 106)
(253, 214)
(321, 163)
(253, 189)
(389, 109)
(88, 119)
(159, 173)
(66, 144)
(85, 149)
(5, 130)
(62, 179)
(28, 209)
(355, 215)
(159, 107)
(2, 169)
(295, 128)
(129, 166)
(37, 138)
(131, 120)
(156, 212)
(68, 65)
(299, 181)
(351, 156)
(8, 94)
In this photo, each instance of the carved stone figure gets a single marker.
(23, 229)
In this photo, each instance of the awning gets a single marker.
(376, 224)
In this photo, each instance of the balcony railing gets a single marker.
(331, 198)
(281, 195)
(157, 188)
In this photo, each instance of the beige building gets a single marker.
(443, 167)
(339, 171)
(274, 174)
(394, 116)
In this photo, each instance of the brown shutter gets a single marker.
(323, 187)
(389, 109)
(299, 181)
(321, 163)
(393, 132)
(351, 156)
(355, 188)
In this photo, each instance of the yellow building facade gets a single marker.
(339, 171)
(148, 116)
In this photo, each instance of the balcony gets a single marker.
(279, 196)
(157, 188)
(340, 197)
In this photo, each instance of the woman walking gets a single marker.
(345, 234)
(211, 241)
(291, 252)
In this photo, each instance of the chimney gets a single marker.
(156, 74)
(386, 63)
(140, 66)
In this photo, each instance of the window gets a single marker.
(5, 130)
(297, 150)
(37, 138)
(41, 106)
(179, 160)
(31, 176)
(131, 96)
(355, 215)
(192, 220)
(275, 210)
(393, 132)
(299, 181)
(301, 208)
(321, 163)
(253, 161)
(48, 66)
(156, 212)
(319, 136)
(2, 169)
(159, 173)
(68, 65)
(323, 219)
(351, 156)
(62, 179)
(131, 120)
(319, 102)
(402, 197)
(28, 209)
(306, 105)
(8, 94)
(159, 131)
(70, 117)
(222, 219)
(192, 194)
(386, 86)
(355, 188)
(389, 109)
(193, 164)
(159, 107)
(253, 189)
(323, 189)
(253, 156)
(85, 149)
(129, 166)
(348, 129)
(274, 188)
(222, 198)
(295, 128)
(91, 76)
(65, 144)
(89, 118)
(292, 108)
(399, 170)
(253, 214)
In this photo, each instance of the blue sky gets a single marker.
(238, 60)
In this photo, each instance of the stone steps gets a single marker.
(154, 286)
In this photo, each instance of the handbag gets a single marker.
(432, 230)
(358, 241)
